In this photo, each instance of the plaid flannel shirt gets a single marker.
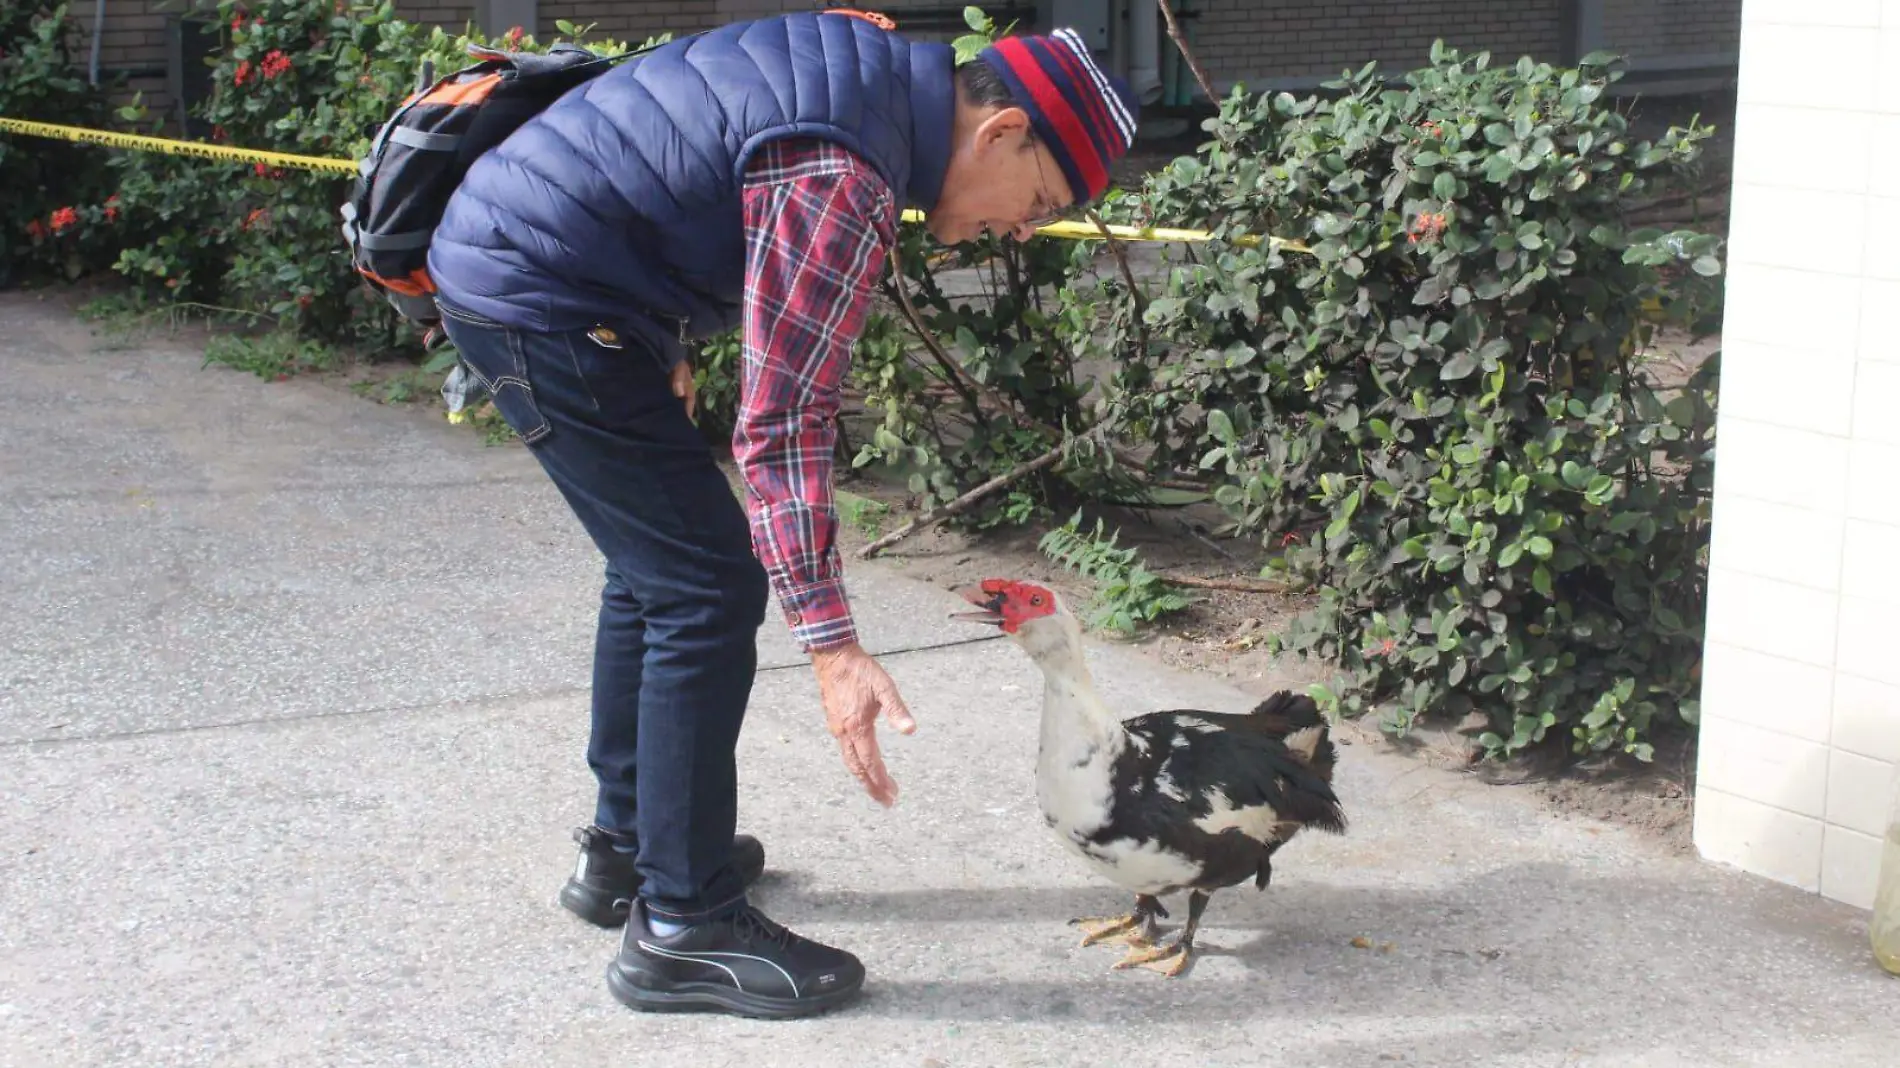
(819, 222)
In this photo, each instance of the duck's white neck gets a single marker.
(1075, 720)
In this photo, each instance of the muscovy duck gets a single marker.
(1175, 800)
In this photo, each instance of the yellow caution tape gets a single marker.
(1085, 231)
(1080, 231)
(175, 148)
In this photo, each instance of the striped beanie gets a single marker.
(1084, 114)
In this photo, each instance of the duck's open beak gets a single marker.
(990, 605)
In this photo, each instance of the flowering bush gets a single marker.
(54, 213)
(310, 78)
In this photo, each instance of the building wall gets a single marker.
(1297, 43)
(135, 36)
(1269, 45)
(1664, 28)
(1288, 43)
(1801, 687)
(635, 20)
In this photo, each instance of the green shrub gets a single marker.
(55, 215)
(1441, 412)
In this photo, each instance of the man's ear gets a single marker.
(1006, 128)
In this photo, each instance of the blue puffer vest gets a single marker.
(620, 204)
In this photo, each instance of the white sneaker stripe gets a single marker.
(656, 950)
(682, 955)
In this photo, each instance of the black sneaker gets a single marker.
(605, 881)
(742, 964)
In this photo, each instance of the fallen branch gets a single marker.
(962, 504)
(1174, 31)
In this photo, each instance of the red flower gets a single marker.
(36, 229)
(243, 73)
(112, 207)
(1427, 225)
(513, 36)
(257, 215)
(275, 63)
(63, 218)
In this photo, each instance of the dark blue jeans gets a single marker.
(684, 596)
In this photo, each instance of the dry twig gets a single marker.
(1174, 31)
(962, 504)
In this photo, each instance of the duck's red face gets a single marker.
(1007, 604)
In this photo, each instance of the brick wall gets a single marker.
(134, 41)
(636, 20)
(1303, 39)
(1660, 28)
(135, 38)
(1299, 41)
(444, 13)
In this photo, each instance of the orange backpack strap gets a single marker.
(882, 22)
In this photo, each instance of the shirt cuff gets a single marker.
(819, 615)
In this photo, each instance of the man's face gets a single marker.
(1001, 180)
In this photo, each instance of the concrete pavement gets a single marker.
(292, 710)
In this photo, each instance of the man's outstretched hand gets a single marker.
(681, 379)
(856, 691)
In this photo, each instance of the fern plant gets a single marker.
(1127, 594)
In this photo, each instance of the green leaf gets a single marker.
(1707, 266)
(1459, 366)
(1540, 547)
(1445, 186)
(1221, 426)
(1540, 580)
(1510, 554)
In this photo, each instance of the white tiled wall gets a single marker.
(1801, 683)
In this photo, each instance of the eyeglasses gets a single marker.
(1044, 208)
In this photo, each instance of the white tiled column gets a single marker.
(1801, 683)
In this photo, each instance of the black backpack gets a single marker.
(422, 153)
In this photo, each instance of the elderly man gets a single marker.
(751, 176)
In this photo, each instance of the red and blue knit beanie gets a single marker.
(1084, 114)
